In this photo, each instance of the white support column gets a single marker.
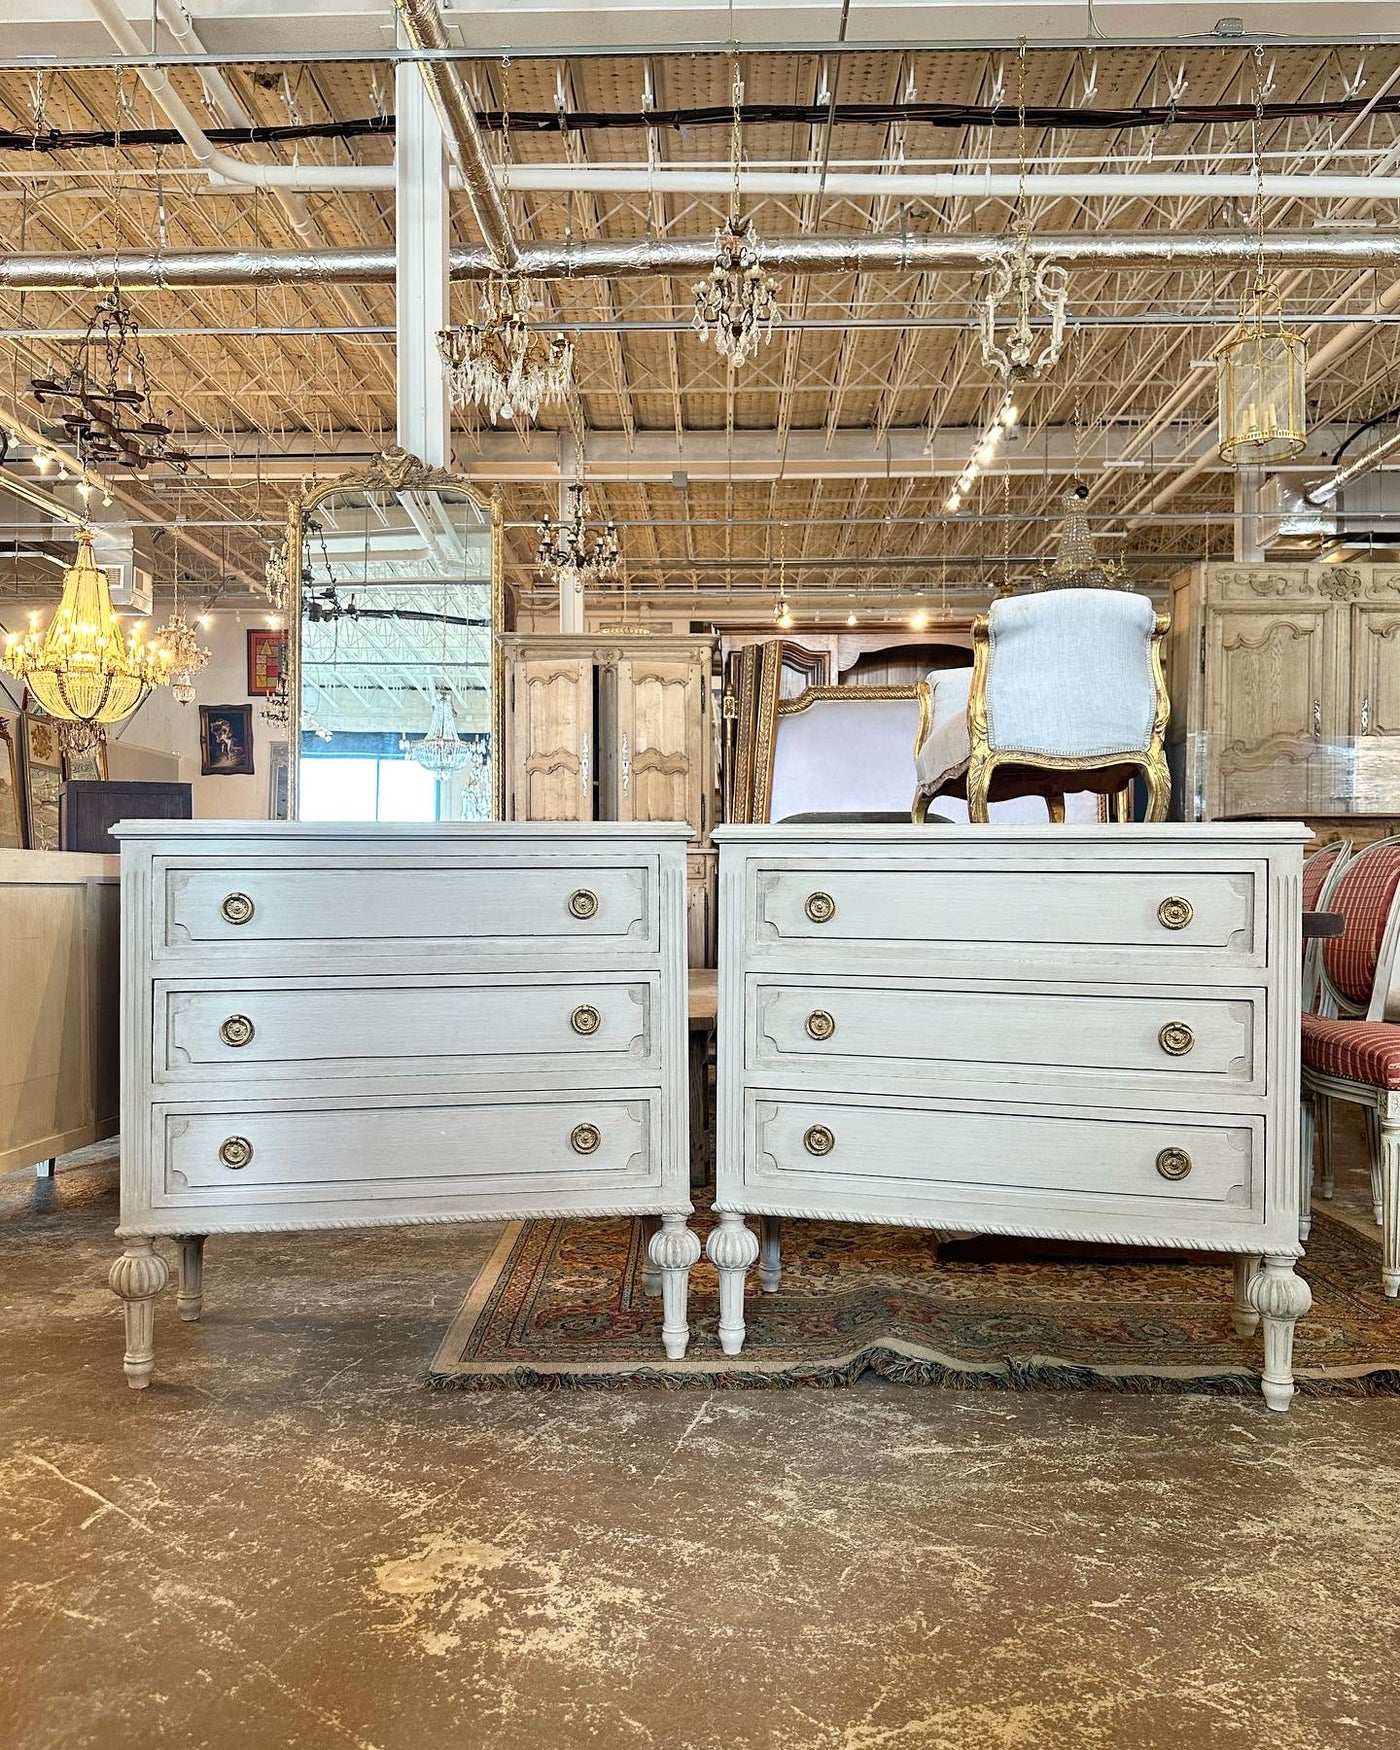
(1247, 484)
(423, 238)
(570, 583)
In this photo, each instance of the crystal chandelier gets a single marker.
(502, 364)
(441, 751)
(275, 575)
(105, 397)
(738, 301)
(1076, 565)
(568, 546)
(277, 706)
(187, 655)
(82, 670)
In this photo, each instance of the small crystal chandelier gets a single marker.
(277, 706)
(441, 751)
(275, 575)
(501, 363)
(738, 301)
(82, 670)
(188, 657)
(568, 546)
(1076, 564)
(105, 398)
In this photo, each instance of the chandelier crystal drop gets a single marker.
(83, 670)
(503, 365)
(188, 657)
(1263, 378)
(570, 547)
(441, 751)
(738, 302)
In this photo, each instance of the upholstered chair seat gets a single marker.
(1065, 694)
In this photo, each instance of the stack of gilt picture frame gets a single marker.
(35, 764)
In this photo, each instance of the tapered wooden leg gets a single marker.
(651, 1275)
(770, 1256)
(673, 1250)
(1280, 1297)
(1055, 807)
(1373, 1155)
(731, 1248)
(137, 1278)
(1322, 1147)
(1245, 1319)
(189, 1300)
(1307, 1131)
(1390, 1206)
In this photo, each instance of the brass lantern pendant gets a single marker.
(1263, 379)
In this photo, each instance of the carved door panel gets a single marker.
(1271, 708)
(552, 752)
(657, 740)
(1374, 707)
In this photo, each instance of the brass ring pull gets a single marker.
(819, 1140)
(237, 908)
(1174, 913)
(584, 1138)
(235, 1152)
(820, 1025)
(1176, 1038)
(820, 907)
(236, 1030)
(585, 1019)
(1173, 1163)
(582, 903)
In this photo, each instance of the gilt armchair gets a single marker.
(1066, 695)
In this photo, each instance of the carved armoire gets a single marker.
(1285, 685)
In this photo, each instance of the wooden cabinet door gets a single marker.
(1374, 704)
(657, 765)
(1272, 711)
(552, 752)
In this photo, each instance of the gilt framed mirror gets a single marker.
(394, 677)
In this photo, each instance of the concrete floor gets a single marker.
(288, 1542)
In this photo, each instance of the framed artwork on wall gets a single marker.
(41, 773)
(226, 741)
(266, 654)
(11, 822)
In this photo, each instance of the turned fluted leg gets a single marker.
(770, 1254)
(1307, 1132)
(1390, 1206)
(1280, 1297)
(137, 1278)
(731, 1248)
(1245, 1319)
(673, 1249)
(651, 1275)
(189, 1301)
(1375, 1158)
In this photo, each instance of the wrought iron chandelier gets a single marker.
(441, 751)
(104, 399)
(83, 671)
(568, 546)
(737, 302)
(501, 363)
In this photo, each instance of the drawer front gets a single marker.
(921, 914)
(855, 1151)
(538, 908)
(1078, 1038)
(511, 1150)
(488, 1025)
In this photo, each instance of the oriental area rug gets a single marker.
(560, 1304)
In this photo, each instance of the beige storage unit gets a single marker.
(1285, 685)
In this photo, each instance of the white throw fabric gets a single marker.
(1069, 673)
(946, 748)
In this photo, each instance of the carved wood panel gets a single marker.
(552, 751)
(1375, 671)
(658, 740)
(1271, 706)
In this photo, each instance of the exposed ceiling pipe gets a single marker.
(422, 25)
(681, 257)
(1326, 490)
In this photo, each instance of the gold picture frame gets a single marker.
(11, 816)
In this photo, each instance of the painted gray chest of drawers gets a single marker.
(333, 1026)
(1068, 1032)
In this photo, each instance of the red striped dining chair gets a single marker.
(1351, 1052)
